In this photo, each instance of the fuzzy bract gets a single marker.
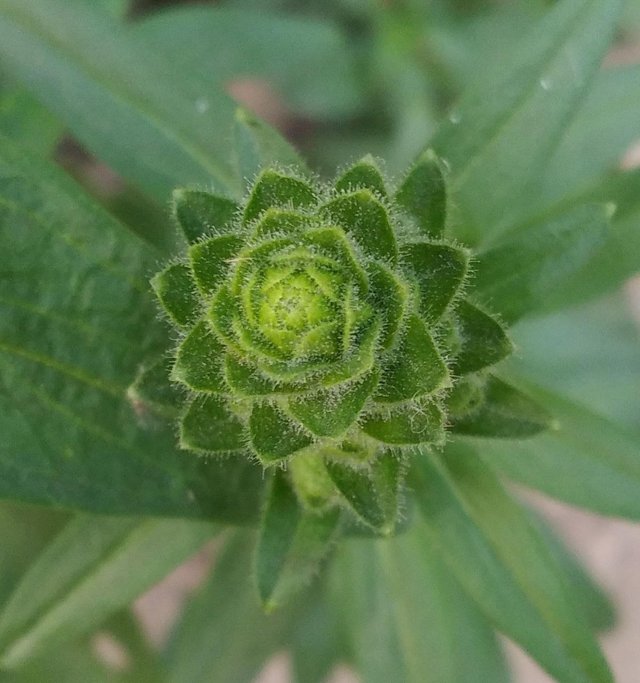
(325, 328)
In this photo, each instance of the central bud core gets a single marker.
(296, 305)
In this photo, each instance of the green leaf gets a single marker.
(273, 435)
(273, 189)
(371, 494)
(360, 361)
(361, 599)
(264, 46)
(256, 145)
(415, 368)
(153, 392)
(246, 380)
(92, 569)
(223, 634)
(412, 423)
(483, 340)
(316, 646)
(24, 121)
(423, 194)
(292, 544)
(389, 297)
(503, 563)
(175, 289)
(73, 663)
(587, 460)
(361, 215)
(210, 260)
(77, 320)
(603, 382)
(603, 130)
(363, 175)
(279, 222)
(199, 360)
(518, 276)
(128, 104)
(539, 90)
(439, 270)
(589, 597)
(311, 481)
(25, 530)
(331, 412)
(332, 241)
(505, 412)
(435, 620)
(210, 426)
(619, 257)
(407, 618)
(200, 212)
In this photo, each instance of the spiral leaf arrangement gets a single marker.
(324, 331)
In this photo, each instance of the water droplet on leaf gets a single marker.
(202, 105)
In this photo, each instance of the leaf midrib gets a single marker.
(71, 371)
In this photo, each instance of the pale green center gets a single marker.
(298, 311)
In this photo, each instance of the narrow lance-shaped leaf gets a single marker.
(88, 68)
(360, 597)
(223, 633)
(25, 121)
(504, 412)
(514, 578)
(317, 645)
(372, 494)
(74, 585)
(602, 131)
(292, 544)
(406, 618)
(517, 276)
(434, 618)
(588, 596)
(258, 43)
(610, 386)
(618, 258)
(539, 89)
(587, 460)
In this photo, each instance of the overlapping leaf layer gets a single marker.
(326, 328)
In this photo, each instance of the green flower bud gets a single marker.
(325, 328)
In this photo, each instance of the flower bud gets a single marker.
(325, 328)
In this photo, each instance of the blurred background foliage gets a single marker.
(365, 76)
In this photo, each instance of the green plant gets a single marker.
(317, 371)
